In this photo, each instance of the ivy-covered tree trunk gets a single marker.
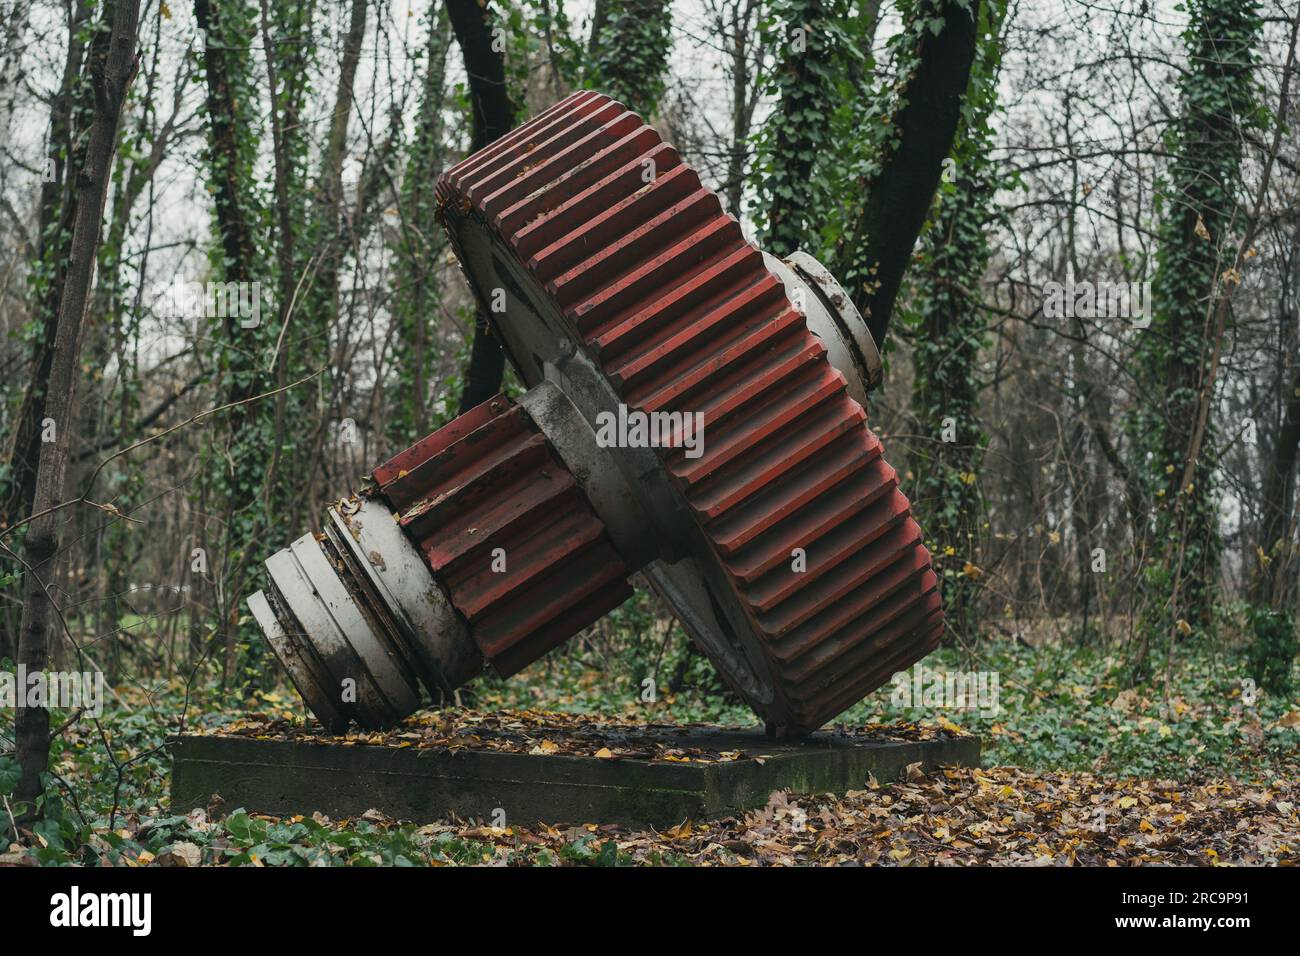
(113, 331)
(947, 318)
(807, 33)
(1218, 100)
(327, 236)
(630, 43)
(302, 345)
(240, 442)
(419, 243)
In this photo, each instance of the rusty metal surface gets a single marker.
(488, 488)
(660, 287)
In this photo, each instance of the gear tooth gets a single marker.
(782, 405)
(682, 314)
(891, 536)
(546, 157)
(424, 449)
(685, 329)
(548, 218)
(549, 191)
(810, 527)
(842, 462)
(602, 273)
(828, 540)
(718, 383)
(566, 253)
(844, 617)
(619, 298)
(895, 649)
(514, 144)
(773, 458)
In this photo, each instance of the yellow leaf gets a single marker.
(604, 753)
(948, 725)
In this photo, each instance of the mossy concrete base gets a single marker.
(291, 777)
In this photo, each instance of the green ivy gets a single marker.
(631, 54)
(1219, 96)
(1270, 656)
(814, 38)
(945, 319)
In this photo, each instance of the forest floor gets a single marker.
(1077, 770)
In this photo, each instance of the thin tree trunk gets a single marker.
(57, 207)
(111, 65)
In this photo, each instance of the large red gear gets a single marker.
(680, 313)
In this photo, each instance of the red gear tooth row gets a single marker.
(494, 472)
(681, 314)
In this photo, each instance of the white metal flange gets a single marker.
(833, 318)
(299, 661)
(399, 694)
(338, 657)
(398, 573)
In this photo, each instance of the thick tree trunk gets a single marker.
(1177, 355)
(111, 65)
(223, 115)
(878, 248)
(492, 116)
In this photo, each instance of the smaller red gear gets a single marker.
(506, 529)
